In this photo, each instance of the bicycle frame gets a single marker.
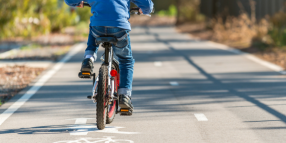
(108, 54)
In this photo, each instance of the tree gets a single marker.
(188, 10)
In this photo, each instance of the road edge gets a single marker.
(39, 82)
(249, 56)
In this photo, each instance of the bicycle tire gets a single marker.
(101, 110)
(112, 108)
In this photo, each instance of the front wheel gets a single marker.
(101, 110)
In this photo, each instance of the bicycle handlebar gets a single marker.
(86, 4)
(135, 10)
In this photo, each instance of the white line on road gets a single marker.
(201, 117)
(174, 83)
(15, 106)
(80, 121)
(80, 127)
(158, 64)
(249, 56)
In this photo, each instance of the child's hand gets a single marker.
(81, 4)
(140, 11)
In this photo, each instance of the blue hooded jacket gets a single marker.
(113, 12)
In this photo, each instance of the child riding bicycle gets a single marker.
(110, 17)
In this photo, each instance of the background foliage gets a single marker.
(27, 18)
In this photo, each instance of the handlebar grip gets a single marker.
(134, 9)
(137, 9)
(86, 4)
(153, 10)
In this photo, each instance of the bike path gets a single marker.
(184, 90)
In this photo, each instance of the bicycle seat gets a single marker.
(101, 39)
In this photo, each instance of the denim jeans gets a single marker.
(122, 50)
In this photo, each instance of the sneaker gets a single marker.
(87, 65)
(125, 102)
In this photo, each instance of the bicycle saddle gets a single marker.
(102, 39)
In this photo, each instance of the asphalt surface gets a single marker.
(184, 91)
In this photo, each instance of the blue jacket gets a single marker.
(113, 12)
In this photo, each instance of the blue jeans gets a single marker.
(122, 50)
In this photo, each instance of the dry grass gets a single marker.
(152, 21)
(15, 78)
(239, 31)
(242, 33)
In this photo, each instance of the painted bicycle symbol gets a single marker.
(105, 139)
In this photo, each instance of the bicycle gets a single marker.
(106, 84)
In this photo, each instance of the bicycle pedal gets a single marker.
(84, 75)
(125, 112)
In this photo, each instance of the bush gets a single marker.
(278, 30)
(188, 11)
(172, 11)
(240, 31)
(27, 18)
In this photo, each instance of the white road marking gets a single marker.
(174, 83)
(264, 63)
(9, 53)
(201, 117)
(249, 56)
(80, 120)
(158, 64)
(106, 139)
(85, 129)
(14, 107)
(80, 127)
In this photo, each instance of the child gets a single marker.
(110, 17)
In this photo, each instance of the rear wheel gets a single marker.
(112, 107)
(101, 111)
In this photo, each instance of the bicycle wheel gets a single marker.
(101, 111)
(112, 107)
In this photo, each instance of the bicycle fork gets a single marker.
(109, 56)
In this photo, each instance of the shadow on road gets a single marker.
(274, 88)
(149, 93)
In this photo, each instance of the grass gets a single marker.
(172, 11)
(240, 31)
(29, 47)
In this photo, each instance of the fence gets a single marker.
(212, 8)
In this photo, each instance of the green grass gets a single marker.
(172, 11)
(29, 47)
(278, 36)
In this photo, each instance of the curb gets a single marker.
(251, 57)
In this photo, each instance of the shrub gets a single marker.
(240, 31)
(278, 30)
(27, 18)
(172, 11)
(188, 11)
